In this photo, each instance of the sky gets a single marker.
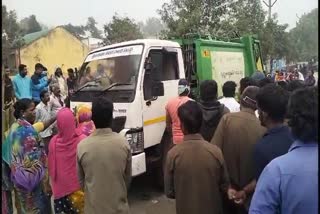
(59, 12)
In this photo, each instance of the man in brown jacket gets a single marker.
(195, 173)
(236, 135)
(104, 164)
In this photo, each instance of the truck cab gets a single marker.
(139, 77)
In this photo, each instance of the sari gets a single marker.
(27, 162)
(68, 197)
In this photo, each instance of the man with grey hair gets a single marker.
(236, 135)
(56, 99)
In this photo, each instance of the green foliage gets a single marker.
(121, 29)
(11, 33)
(92, 28)
(30, 25)
(193, 16)
(304, 37)
(247, 16)
(275, 40)
(152, 27)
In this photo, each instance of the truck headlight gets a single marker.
(135, 140)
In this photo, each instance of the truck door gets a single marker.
(154, 116)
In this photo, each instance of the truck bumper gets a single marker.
(138, 164)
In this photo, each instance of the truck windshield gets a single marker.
(116, 67)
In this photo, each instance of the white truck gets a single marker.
(141, 76)
(138, 89)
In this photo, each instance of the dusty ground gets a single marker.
(145, 198)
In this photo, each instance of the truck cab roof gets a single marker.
(146, 42)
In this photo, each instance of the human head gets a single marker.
(84, 114)
(190, 116)
(58, 72)
(295, 84)
(208, 90)
(303, 114)
(102, 113)
(229, 89)
(38, 68)
(245, 82)
(88, 70)
(100, 68)
(70, 72)
(56, 90)
(183, 87)
(248, 97)
(265, 81)
(66, 124)
(272, 101)
(45, 96)
(25, 109)
(257, 76)
(310, 73)
(283, 84)
(23, 70)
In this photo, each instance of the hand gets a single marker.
(231, 193)
(240, 197)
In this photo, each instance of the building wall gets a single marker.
(58, 48)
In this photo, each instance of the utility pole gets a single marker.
(269, 5)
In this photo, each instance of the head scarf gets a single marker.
(64, 146)
(86, 125)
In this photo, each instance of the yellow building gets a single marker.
(52, 48)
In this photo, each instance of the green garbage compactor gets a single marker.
(207, 58)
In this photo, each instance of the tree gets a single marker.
(91, 27)
(152, 27)
(30, 25)
(121, 29)
(275, 43)
(193, 16)
(304, 37)
(11, 33)
(77, 31)
(247, 17)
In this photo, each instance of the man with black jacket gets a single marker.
(212, 109)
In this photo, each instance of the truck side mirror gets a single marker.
(157, 89)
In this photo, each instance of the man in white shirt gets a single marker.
(44, 113)
(229, 90)
(56, 99)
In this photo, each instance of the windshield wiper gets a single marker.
(115, 84)
(88, 84)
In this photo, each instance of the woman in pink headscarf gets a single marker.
(85, 124)
(68, 197)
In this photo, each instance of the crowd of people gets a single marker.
(258, 155)
(254, 154)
